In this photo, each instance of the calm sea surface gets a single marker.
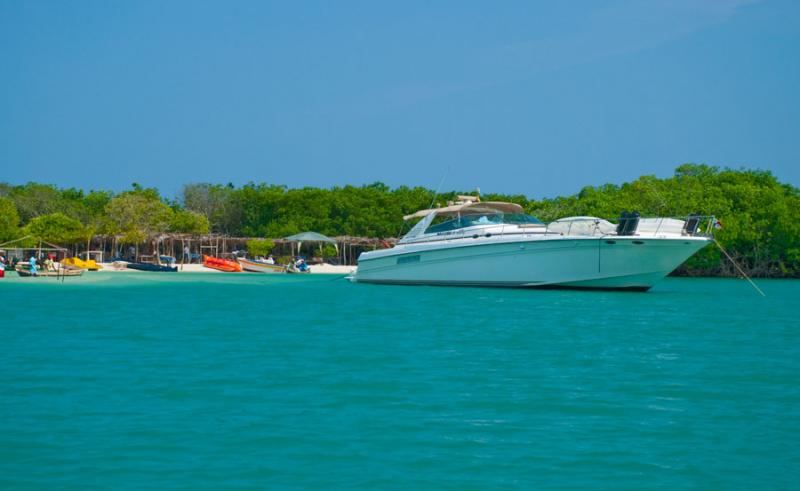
(211, 381)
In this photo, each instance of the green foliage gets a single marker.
(33, 200)
(259, 247)
(221, 205)
(761, 216)
(284, 260)
(189, 222)
(56, 228)
(275, 211)
(137, 215)
(94, 205)
(9, 220)
(329, 250)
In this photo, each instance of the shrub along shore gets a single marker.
(760, 216)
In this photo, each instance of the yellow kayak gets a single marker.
(89, 264)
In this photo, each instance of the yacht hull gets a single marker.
(629, 263)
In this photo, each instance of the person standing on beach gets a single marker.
(187, 255)
(34, 271)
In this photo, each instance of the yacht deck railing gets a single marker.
(688, 226)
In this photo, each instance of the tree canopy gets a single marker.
(259, 247)
(136, 215)
(56, 228)
(760, 215)
(188, 222)
(9, 220)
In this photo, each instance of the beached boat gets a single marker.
(294, 269)
(220, 264)
(474, 243)
(24, 269)
(260, 266)
(88, 264)
(152, 267)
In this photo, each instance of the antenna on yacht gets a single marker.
(439, 187)
(433, 201)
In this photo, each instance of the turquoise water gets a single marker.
(192, 381)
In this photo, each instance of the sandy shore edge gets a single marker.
(199, 268)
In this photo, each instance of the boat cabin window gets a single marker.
(447, 223)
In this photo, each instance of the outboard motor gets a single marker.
(692, 222)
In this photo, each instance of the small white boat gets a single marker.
(260, 266)
(57, 270)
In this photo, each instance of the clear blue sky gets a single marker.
(539, 98)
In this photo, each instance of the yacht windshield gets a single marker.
(474, 220)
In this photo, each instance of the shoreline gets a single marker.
(327, 269)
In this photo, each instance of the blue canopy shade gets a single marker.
(310, 237)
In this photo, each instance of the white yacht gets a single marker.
(474, 243)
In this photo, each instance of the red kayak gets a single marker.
(221, 264)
